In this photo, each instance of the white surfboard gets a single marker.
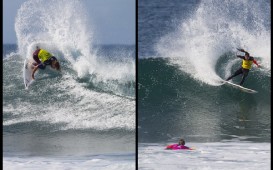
(28, 68)
(240, 87)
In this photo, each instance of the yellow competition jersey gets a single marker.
(247, 64)
(43, 55)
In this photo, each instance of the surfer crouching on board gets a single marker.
(43, 58)
(246, 65)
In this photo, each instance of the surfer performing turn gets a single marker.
(246, 65)
(43, 58)
(40, 59)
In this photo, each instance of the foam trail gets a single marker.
(214, 29)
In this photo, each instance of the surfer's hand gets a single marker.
(32, 76)
(240, 49)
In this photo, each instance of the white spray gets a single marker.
(215, 28)
(62, 27)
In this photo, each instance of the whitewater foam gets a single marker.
(214, 29)
(82, 109)
(206, 156)
(65, 31)
(112, 162)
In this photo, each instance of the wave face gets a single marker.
(62, 101)
(96, 89)
(172, 104)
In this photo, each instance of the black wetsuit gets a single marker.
(241, 71)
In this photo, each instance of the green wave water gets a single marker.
(172, 104)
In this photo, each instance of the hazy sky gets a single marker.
(108, 16)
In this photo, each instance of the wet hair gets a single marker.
(183, 141)
(56, 65)
(246, 54)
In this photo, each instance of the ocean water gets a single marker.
(185, 49)
(206, 156)
(81, 118)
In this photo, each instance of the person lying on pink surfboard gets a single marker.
(180, 145)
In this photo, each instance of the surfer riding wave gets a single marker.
(246, 65)
(43, 58)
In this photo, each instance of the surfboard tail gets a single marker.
(244, 89)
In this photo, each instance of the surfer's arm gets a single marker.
(239, 56)
(34, 70)
(255, 62)
(242, 50)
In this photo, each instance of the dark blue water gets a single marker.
(158, 18)
(8, 48)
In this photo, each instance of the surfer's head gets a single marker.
(246, 55)
(55, 64)
(182, 142)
